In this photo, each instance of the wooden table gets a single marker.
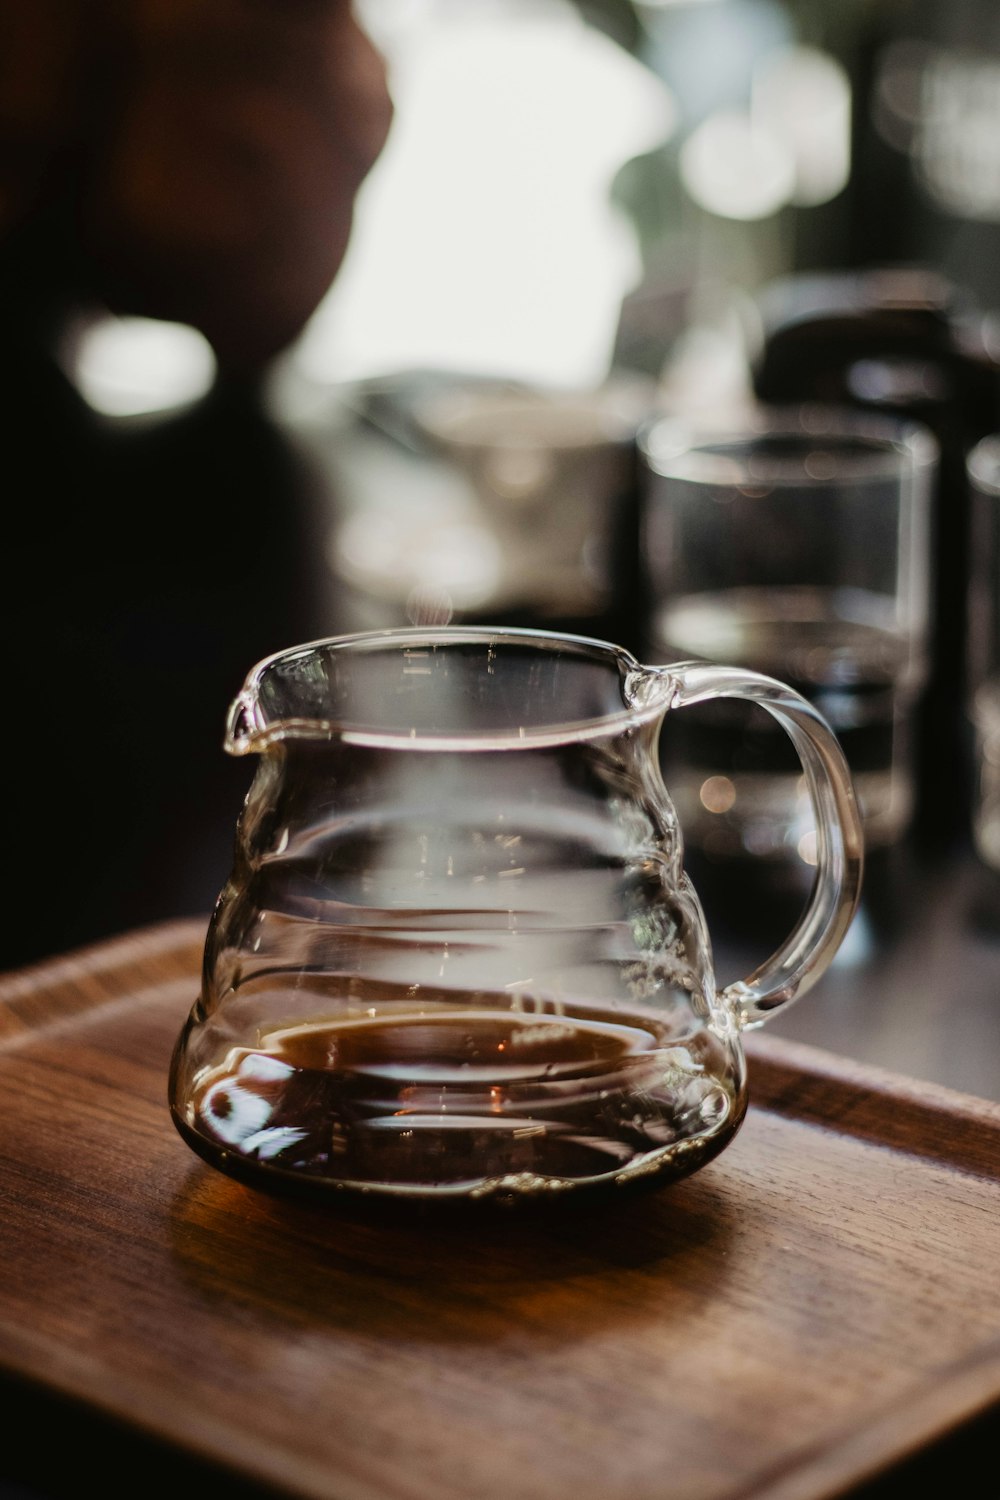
(810, 1316)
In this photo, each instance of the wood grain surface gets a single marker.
(811, 1307)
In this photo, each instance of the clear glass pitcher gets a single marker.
(457, 956)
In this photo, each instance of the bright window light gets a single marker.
(485, 239)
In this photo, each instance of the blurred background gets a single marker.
(648, 197)
(576, 186)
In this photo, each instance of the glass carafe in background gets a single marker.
(552, 481)
(795, 546)
(903, 342)
(458, 957)
(483, 499)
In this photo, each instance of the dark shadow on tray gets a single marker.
(418, 1272)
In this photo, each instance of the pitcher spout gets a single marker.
(244, 725)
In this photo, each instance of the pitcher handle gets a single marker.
(810, 947)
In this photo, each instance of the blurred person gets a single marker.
(195, 161)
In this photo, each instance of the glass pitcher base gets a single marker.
(466, 1102)
(513, 1190)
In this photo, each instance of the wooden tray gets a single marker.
(810, 1308)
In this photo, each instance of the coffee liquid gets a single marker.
(466, 1101)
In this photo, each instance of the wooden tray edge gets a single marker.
(860, 1099)
(57, 989)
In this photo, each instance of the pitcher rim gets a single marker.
(247, 730)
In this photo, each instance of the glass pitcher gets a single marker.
(457, 956)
